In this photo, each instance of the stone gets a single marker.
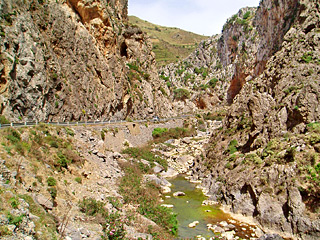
(11, 227)
(186, 140)
(271, 237)
(44, 201)
(218, 229)
(170, 141)
(179, 194)
(228, 235)
(165, 190)
(193, 224)
(170, 173)
(157, 169)
(159, 181)
(33, 217)
(167, 205)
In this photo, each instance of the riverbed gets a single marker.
(190, 209)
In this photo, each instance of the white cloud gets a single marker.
(201, 16)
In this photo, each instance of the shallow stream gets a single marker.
(189, 209)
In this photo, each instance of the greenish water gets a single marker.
(189, 208)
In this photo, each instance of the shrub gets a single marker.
(157, 132)
(70, 132)
(181, 94)
(314, 138)
(146, 154)
(4, 231)
(14, 136)
(14, 202)
(54, 144)
(174, 133)
(247, 15)
(314, 127)
(3, 120)
(66, 157)
(15, 220)
(103, 135)
(307, 57)
(91, 206)
(213, 82)
(232, 146)
(51, 181)
(78, 179)
(53, 192)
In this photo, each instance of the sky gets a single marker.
(205, 17)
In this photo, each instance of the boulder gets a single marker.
(193, 224)
(45, 202)
(179, 194)
(271, 237)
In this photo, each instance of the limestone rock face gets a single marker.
(75, 60)
(216, 72)
(258, 161)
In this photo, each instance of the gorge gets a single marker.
(251, 139)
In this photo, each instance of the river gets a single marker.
(189, 209)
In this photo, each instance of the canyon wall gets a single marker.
(75, 60)
(264, 161)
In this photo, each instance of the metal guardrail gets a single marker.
(30, 124)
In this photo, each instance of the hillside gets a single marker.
(169, 44)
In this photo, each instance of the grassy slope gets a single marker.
(169, 44)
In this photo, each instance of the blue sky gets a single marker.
(205, 17)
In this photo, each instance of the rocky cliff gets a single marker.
(264, 161)
(75, 60)
(215, 73)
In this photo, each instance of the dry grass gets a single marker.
(169, 44)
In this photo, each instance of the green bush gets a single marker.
(307, 57)
(14, 202)
(70, 132)
(232, 146)
(247, 15)
(317, 168)
(63, 161)
(78, 179)
(146, 154)
(174, 133)
(15, 220)
(53, 192)
(3, 120)
(103, 135)
(54, 144)
(14, 136)
(213, 82)
(91, 206)
(51, 181)
(157, 132)
(314, 127)
(181, 94)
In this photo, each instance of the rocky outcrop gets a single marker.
(263, 162)
(75, 60)
(216, 72)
